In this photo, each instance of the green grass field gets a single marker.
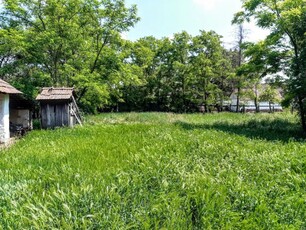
(158, 170)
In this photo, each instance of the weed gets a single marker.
(157, 170)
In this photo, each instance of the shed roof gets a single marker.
(7, 88)
(50, 93)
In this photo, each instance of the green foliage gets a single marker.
(179, 74)
(286, 20)
(270, 94)
(78, 43)
(158, 170)
(36, 124)
(64, 43)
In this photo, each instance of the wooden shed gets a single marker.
(58, 107)
(15, 112)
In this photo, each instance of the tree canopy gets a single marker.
(65, 43)
(79, 44)
(284, 48)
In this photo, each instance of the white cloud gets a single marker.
(124, 35)
(252, 33)
(206, 4)
(255, 33)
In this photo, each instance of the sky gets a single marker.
(163, 18)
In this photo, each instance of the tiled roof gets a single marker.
(7, 88)
(50, 93)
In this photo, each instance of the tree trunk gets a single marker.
(302, 113)
(256, 104)
(256, 98)
(270, 108)
(238, 100)
(83, 91)
(240, 35)
(184, 99)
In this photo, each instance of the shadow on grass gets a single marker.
(270, 130)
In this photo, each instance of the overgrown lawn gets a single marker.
(158, 170)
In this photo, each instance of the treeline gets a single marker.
(66, 43)
(78, 43)
(179, 74)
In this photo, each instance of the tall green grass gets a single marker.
(158, 170)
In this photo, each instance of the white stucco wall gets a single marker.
(20, 117)
(4, 118)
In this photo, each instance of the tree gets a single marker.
(164, 75)
(207, 61)
(181, 71)
(286, 20)
(261, 61)
(269, 94)
(144, 55)
(68, 42)
(239, 76)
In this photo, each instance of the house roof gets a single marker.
(7, 88)
(50, 93)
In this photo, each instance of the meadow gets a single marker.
(158, 171)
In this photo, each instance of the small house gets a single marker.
(58, 107)
(15, 112)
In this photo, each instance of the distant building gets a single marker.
(58, 107)
(247, 104)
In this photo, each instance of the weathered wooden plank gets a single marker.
(48, 116)
(44, 116)
(52, 111)
(58, 115)
(66, 115)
